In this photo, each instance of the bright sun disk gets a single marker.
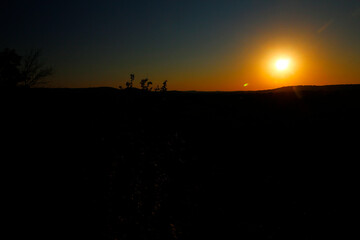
(282, 64)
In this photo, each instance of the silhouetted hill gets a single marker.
(104, 163)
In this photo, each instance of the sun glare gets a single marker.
(282, 64)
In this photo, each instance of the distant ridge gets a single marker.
(284, 89)
(299, 88)
(316, 88)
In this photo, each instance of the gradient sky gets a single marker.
(195, 45)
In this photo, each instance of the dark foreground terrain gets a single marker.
(109, 164)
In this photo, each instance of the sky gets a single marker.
(208, 45)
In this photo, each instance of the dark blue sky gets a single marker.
(194, 44)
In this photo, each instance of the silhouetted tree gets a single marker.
(9, 68)
(33, 72)
(25, 71)
(164, 86)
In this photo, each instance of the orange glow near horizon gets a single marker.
(258, 66)
(282, 64)
(303, 59)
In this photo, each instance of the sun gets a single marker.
(282, 64)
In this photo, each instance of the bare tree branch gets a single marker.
(33, 71)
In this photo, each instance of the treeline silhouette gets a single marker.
(22, 71)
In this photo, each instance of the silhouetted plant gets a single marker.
(145, 84)
(157, 88)
(164, 86)
(130, 84)
(33, 72)
(9, 68)
(148, 84)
